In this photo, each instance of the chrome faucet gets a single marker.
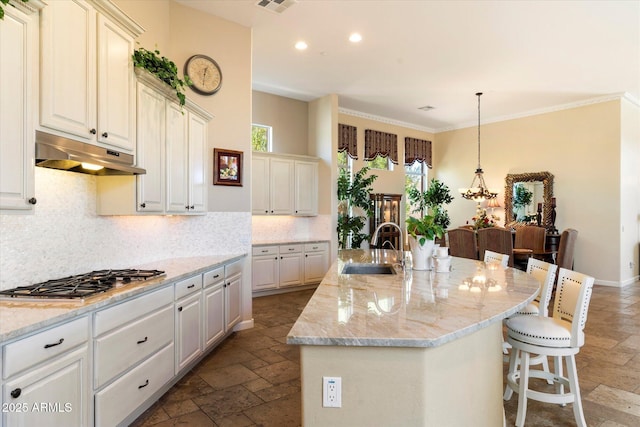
(374, 239)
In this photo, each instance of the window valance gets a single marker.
(348, 140)
(417, 149)
(378, 143)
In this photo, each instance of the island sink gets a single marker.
(364, 268)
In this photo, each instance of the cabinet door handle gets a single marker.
(216, 276)
(33, 201)
(306, 256)
(276, 258)
(192, 207)
(280, 257)
(143, 205)
(292, 249)
(16, 393)
(92, 131)
(146, 383)
(54, 344)
(191, 286)
(179, 308)
(266, 211)
(105, 135)
(186, 207)
(264, 251)
(143, 341)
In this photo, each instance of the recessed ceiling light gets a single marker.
(355, 38)
(301, 45)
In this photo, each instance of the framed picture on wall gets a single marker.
(227, 167)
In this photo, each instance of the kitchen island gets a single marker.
(416, 348)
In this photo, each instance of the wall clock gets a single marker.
(205, 74)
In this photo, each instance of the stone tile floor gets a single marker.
(253, 377)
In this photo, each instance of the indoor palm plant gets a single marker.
(422, 235)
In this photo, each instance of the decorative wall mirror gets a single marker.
(540, 187)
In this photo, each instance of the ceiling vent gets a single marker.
(276, 6)
(427, 108)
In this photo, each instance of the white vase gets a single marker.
(421, 254)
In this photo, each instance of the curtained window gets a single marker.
(378, 143)
(347, 140)
(417, 149)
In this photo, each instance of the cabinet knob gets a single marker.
(192, 207)
(143, 205)
(187, 207)
(93, 131)
(105, 135)
(266, 211)
(16, 393)
(32, 201)
(306, 256)
(179, 308)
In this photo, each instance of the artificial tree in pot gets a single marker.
(432, 201)
(422, 235)
(353, 194)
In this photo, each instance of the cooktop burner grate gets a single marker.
(81, 285)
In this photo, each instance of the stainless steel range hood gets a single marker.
(57, 152)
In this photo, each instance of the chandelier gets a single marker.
(480, 192)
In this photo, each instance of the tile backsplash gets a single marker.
(64, 236)
(281, 228)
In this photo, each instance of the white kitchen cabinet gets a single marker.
(316, 262)
(47, 377)
(87, 80)
(172, 143)
(265, 268)
(290, 266)
(150, 121)
(306, 188)
(18, 104)
(232, 294)
(213, 301)
(188, 315)
(284, 185)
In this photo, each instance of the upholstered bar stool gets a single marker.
(560, 336)
(546, 275)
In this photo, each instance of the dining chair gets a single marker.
(490, 256)
(560, 336)
(566, 248)
(496, 239)
(529, 242)
(462, 243)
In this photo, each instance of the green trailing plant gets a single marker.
(353, 194)
(163, 68)
(423, 229)
(432, 201)
(4, 3)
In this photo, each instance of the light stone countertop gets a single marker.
(275, 241)
(410, 309)
(18, 317)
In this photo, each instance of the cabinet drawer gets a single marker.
(118, 400)
(290, 249)
(212, 277)
(126, 346)
(114, 317)
(232, 269)
(44, 345)
(188, 286)
(316, 247)
(264, 250)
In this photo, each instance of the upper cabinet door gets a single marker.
(306, 188)
(281, 180)
(68, 69)
(116, 86)
(259, 185)
(197, 177)
(177, 159)
(18, 100)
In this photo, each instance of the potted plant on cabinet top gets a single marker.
(422, 235)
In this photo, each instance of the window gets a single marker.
(261, 138)
(381, 162)
(415, 177)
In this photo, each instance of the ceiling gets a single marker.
(525, 56)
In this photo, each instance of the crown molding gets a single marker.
(384, 120)
(582, 103)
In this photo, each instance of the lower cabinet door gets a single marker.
(188, 330)
(213, 314)
(119, 399)
(55, 394)
(233, 300)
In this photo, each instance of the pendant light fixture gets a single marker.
(480, 192)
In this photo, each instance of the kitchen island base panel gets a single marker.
(456, 384)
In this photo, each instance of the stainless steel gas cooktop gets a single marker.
(82, 285)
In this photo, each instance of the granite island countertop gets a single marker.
(412, 308)
(19, 317)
